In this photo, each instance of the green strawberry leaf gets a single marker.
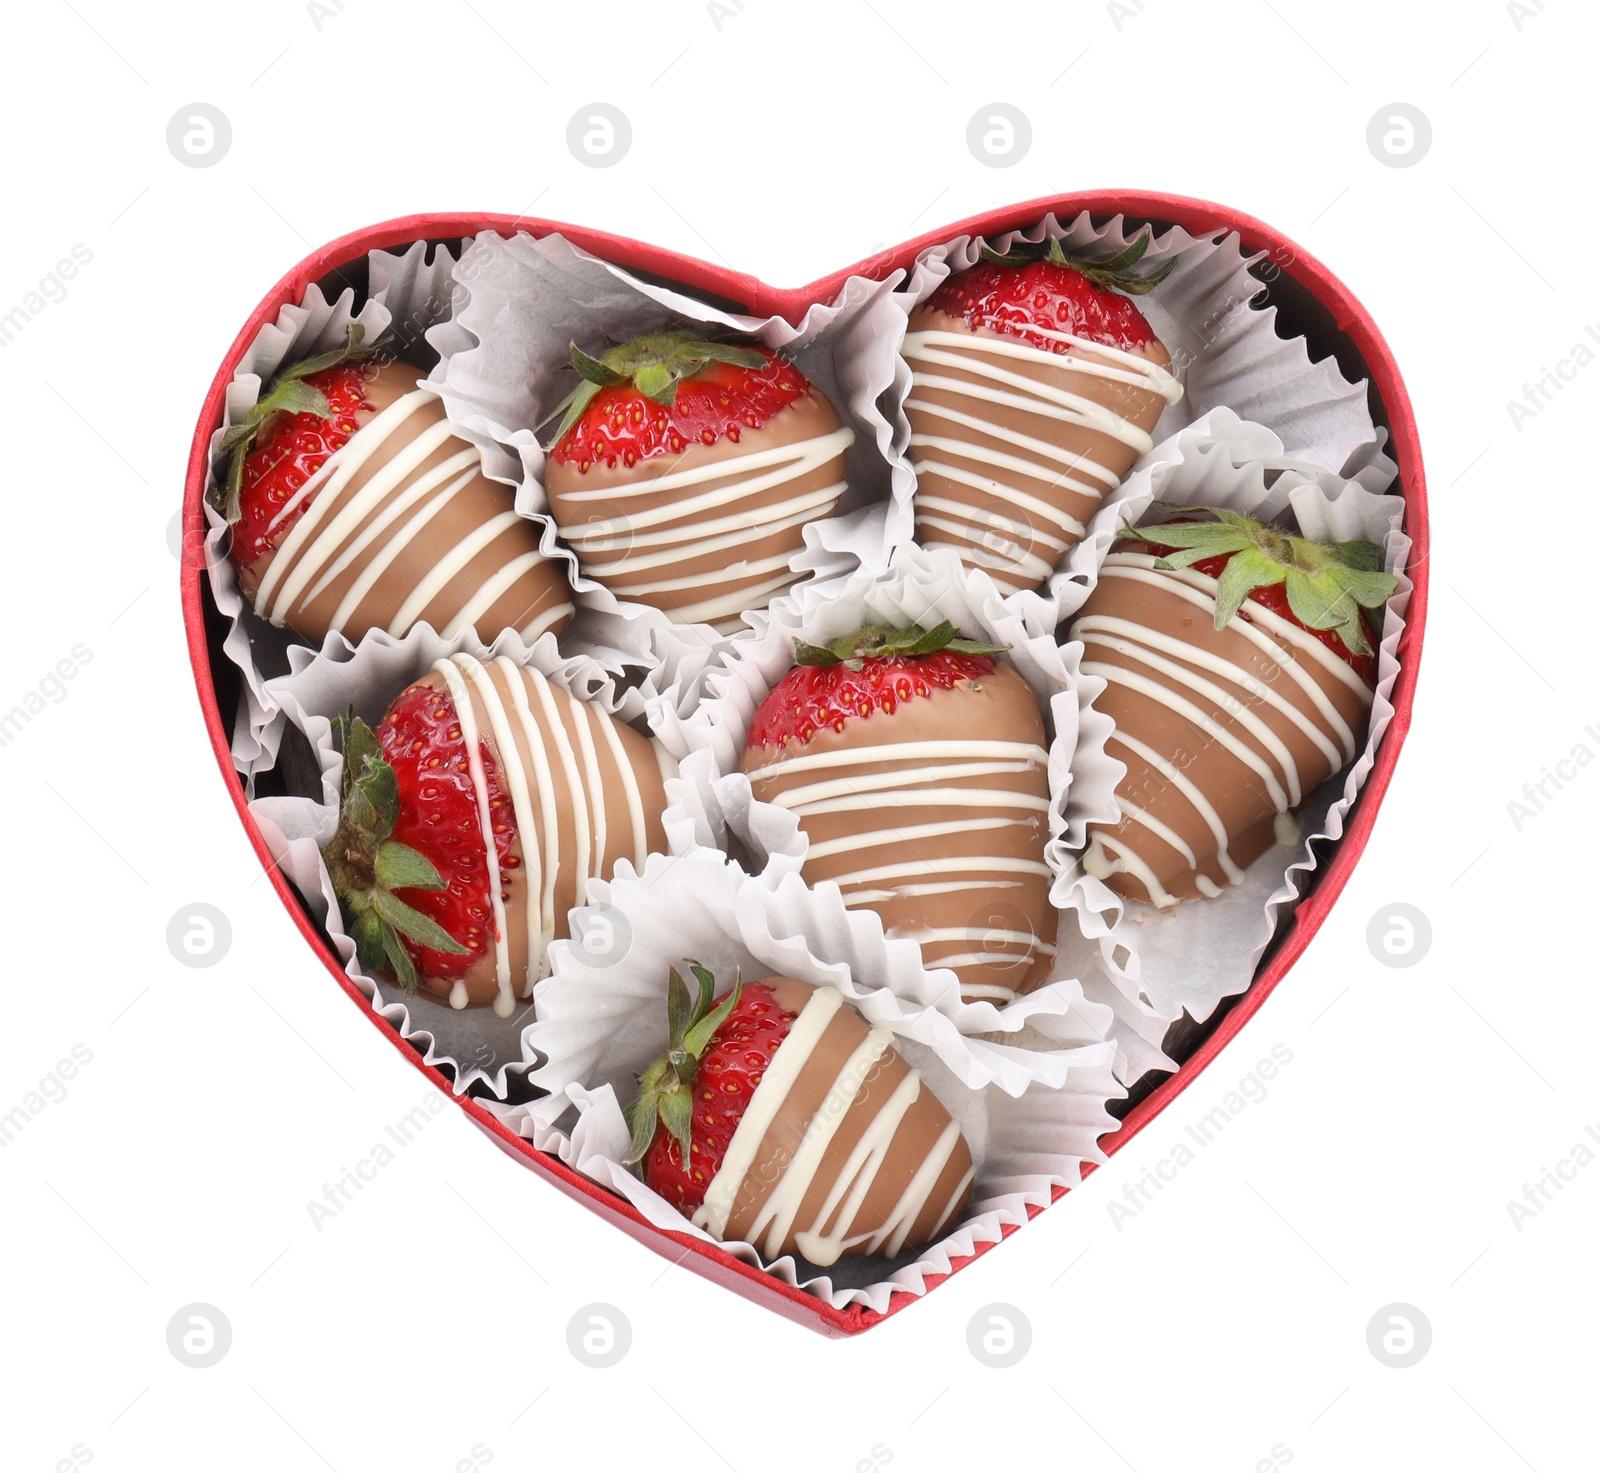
(730, 353)
(1246, 571)
(1327, 584)
(680, 1008)
(400, 963)
(595, 370)
(708, 988)
(813, 654)
(353, 338)
(677, 1112)
(293, 396)
(400, 867)
(367, 933)
(641, 1117)
(701, 1033)
(657, 382)
(415, 926)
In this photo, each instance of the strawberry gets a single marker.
(1331, 590)
(560, 788)
(685, 469)
(310, 410)
(657, 395)
(408, 817)
(410, 531)
(717, 1054)
(916, 763)
(1239, 669)
(1035, 384)
(1041, 287)
(778, 1118)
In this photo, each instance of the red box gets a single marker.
(1310, 299)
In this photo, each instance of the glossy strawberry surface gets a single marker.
(732, 1066)
(813, 698)
(719, 402)
(1019, 301)
(421, 739)
(289, 450)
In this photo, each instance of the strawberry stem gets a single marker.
(1329, 585)
(666, 1088)
(1114, 271)
(876, 642)
(654, 364)
(288, 393)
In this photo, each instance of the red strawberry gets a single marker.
(1239, 667)
(916, 763)
(311, 410)
(717, 1055)
(408, 817)
(657, 395)
(1035, 384)
(395, 539)
(1307, 583)
(1042, 287)
(648, 474)
(835, 1149)
(410, 861)
(873, 670)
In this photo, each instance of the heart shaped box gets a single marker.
(1310, 301)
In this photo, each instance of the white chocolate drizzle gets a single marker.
(627, 548)
(891, 867)
(848, 1191)
(1176, 667)
(401, 499)
(525, 716)
(1001, 364)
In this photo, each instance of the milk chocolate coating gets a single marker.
(992, 521)
(1189, 752)
(911, 1144)
(536, 598)
(634, 559)
(1002, 920)
(608, 808)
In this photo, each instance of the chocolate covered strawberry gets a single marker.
(777, 1118)
(1240, 668)
(684, 471)
(355, 507)
(916, 763)
(473, 819)
(1035, 383)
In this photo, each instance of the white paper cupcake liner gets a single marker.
(506, 365)
(1153, 965)
(918, 587)
(407, 293)
(474, 1042)
(602, 1019)
(1226, 352)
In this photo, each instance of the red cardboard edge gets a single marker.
(1199, 217)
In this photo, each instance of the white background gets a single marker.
(425, 1326)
